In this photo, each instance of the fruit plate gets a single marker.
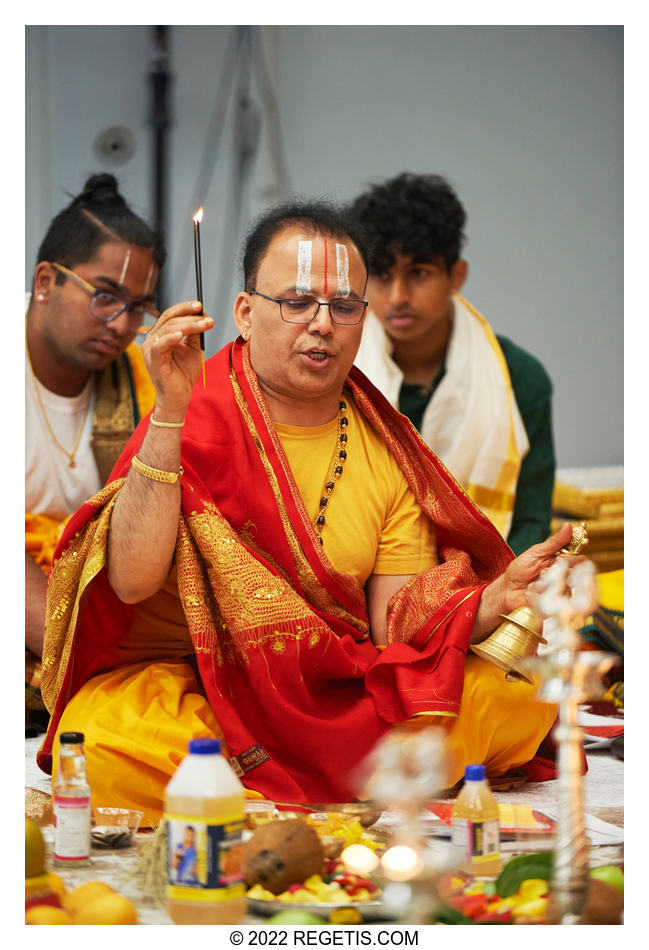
(369, 910)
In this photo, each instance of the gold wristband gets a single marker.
(156, 474)
(167, 425)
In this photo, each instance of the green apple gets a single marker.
(610, 874)
(295, 916)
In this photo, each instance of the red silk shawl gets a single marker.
(281, 639)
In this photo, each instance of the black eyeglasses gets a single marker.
(106, 306)
(343, 310)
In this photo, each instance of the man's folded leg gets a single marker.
(500, 724)
(137, 723)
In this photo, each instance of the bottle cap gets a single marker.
(71, 738)
(204, 746)
(474, 773)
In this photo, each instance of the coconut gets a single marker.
(604, 904)
(280, 853)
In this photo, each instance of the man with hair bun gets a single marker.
(480, 402)
(86, 385)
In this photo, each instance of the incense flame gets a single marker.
(198, 217)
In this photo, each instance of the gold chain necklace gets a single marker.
(339, 460)
(77, 440)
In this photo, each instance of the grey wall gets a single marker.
(80, 81)
(525, 121)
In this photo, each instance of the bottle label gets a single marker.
(71, 828)
(479, 840)
(204, 858)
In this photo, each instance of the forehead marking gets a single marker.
(147, 287)
(325, 266)
(342, 269)
(304, 257)
(125, 267)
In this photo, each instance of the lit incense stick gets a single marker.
(198, 217)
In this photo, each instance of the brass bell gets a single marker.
(516, 639)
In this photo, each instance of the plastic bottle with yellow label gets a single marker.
(475, 826)
(203, 811)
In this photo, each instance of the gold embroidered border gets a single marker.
(232, 602)
(244, 589)
(113, 416)
(73, 570)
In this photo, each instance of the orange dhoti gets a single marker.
(138, 722)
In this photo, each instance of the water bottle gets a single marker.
(71, 804)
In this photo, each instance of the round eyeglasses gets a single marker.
(345, 311)
(106, 306)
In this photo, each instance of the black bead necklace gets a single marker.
(339, 461)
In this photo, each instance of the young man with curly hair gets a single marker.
(480, 402)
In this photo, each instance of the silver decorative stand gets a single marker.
(566, 594)
(407, 770)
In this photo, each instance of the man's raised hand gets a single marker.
(173, 355)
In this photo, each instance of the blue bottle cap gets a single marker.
(205, 746)
(474, 773)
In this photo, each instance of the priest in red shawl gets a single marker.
(279, 560)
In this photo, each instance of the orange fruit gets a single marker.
(57, 884)
(107, 909)
(85, 894)
(345, 915)
(47, 915)
(34, 849)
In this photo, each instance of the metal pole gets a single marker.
(160, 121)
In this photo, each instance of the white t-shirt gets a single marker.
(51, 486)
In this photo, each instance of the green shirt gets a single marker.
(533, 392)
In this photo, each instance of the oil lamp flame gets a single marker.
(359, 859)
(401, 863)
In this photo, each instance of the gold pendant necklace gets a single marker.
(340, 457)
(77, 440)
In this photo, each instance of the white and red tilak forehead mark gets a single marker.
(125, 266)
(342, 270)
(304, 258)
(149, 276)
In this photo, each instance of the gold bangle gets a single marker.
(167, 425)
(155, 473)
